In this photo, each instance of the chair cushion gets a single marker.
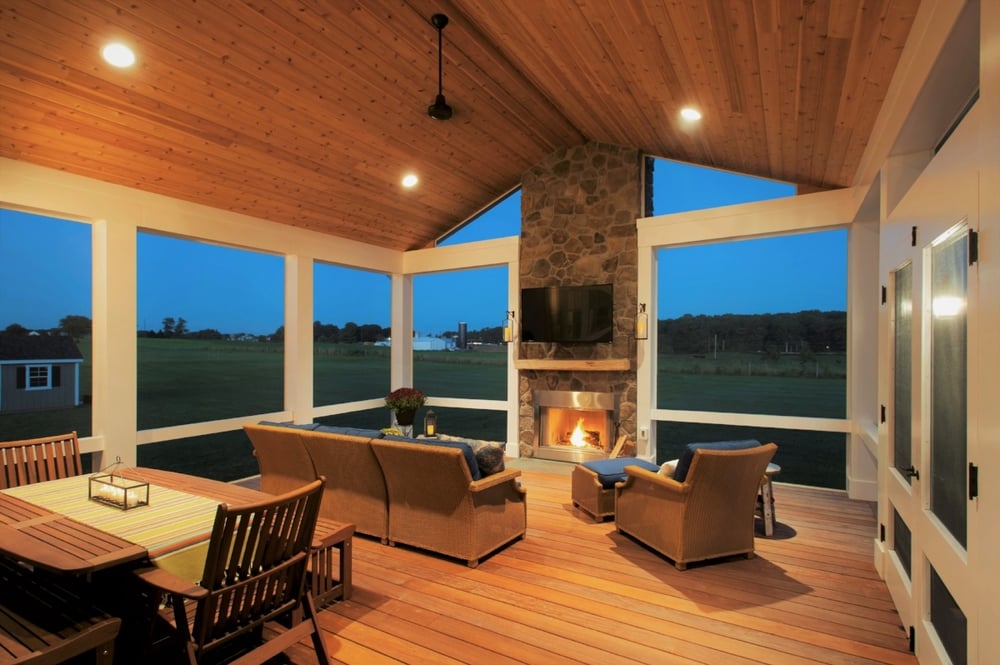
(305, 426)
(684, 461)
(467, 452)
(351, 431)
(612, 470)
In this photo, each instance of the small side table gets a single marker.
(767, 498)
(327, 581)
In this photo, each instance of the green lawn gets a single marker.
(185, 381)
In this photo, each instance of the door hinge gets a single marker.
(884, 295)
(973, 481)
(883, 413)
(881, 532)
(913, 236)
(973, 247)
(909, 472)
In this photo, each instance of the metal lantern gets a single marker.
(430, 424)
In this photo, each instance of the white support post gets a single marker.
(299, 338)
(114, 378)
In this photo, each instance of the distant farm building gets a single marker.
(425, 343)
(38, 372)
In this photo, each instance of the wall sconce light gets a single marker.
(430, 424)
(508, 327)
(642, 323)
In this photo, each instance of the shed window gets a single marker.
(39, 377)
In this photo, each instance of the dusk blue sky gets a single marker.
(234, 290)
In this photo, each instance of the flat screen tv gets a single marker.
(567, 314)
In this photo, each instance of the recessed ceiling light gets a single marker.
(690, 114)
(118, 55)
(410, 180)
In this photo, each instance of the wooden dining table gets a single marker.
(54, 526)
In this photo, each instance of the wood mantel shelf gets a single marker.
(574, 365)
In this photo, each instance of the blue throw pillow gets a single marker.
(612, 470)
(470, 456)
(684, 462)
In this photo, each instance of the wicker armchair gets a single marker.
(709, 515)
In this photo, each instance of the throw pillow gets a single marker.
(668, 468)
(688, 453)
(489, 454)
(490, 457)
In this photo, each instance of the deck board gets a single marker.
(575, 591)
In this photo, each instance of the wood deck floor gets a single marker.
(575, 591)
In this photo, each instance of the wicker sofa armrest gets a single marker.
(507, 475)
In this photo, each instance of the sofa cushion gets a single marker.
(612, 470)
(351, 431)
(684, 461)
(467, 452)
(305, 426)
(489, 454)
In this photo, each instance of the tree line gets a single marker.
(73, 325)
(78, 326)
(805, 332)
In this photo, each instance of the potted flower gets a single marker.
(405, 402)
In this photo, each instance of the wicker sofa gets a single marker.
(425, 493)
(355, 489)
(435, 504)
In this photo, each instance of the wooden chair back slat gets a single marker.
(35, 460)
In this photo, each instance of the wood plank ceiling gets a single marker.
(308, 113)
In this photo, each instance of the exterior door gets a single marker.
(925, 480)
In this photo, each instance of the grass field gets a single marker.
(185, 381)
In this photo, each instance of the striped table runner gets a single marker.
(174, 528)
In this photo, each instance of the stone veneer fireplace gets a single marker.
(578, 212)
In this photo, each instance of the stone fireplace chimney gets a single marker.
(578, 212)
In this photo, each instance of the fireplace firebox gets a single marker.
(573, 426)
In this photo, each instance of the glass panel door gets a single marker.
(902, 442)
(949, 409)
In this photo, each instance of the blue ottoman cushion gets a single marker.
(684, 462)
(611, 471)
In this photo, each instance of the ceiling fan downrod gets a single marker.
(439, 110)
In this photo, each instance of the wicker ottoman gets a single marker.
(594, 484)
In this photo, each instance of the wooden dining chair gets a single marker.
(254, 573)
(35, 460)
(46, 619)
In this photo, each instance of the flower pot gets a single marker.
(405, 416)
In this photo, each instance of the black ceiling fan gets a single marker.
(439, 110)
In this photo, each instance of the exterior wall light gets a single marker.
(642, 323)
(508, 327)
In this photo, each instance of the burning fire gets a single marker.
(578, 438)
